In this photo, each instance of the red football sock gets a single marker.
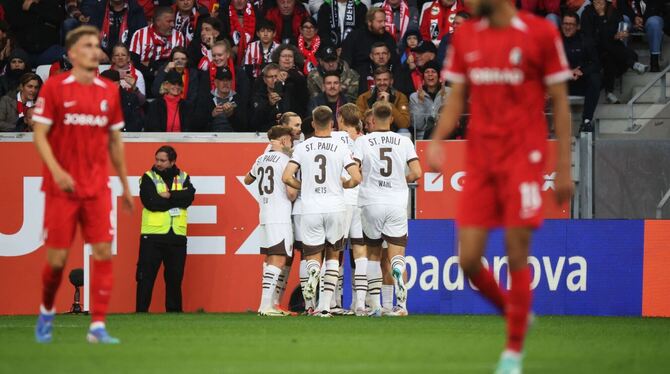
(101, 289)
(50, 281)
(518, 307)
(487, 285)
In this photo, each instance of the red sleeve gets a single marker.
(46, 108)
(54, 69)
(424, 28)
(555, 67)
(454, 68)
(115, 113)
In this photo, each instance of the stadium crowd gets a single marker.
(236, 65)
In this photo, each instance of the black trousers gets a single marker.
(616, 59)
(589, 87)
(154, 250)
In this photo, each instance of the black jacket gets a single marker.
(39, 27)
(152, 201)
(156, 119)
(242, 89)
(356, 48)
(601, 29)
(264, 115)
(581, 52)
(324, 29)
(132, 111)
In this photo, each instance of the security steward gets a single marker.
(165, 192)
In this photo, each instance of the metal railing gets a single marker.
(661, 204)
(663, 99)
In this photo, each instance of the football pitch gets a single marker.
(245, 343)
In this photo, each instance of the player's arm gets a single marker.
(291, 193)
(414, 171)
(355, 174)
(563, 128)
(119, 163)
(289, 175)
(249, 179)
(62, 178)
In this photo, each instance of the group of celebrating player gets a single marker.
(333, 187)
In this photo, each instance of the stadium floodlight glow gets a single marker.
(77, 280)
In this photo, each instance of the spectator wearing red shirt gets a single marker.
(287, 16)
(437, 19)
(239, 25)
(550, 9)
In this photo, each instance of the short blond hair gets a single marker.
(73, 36)
(322, 116)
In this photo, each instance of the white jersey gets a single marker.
(275, 206)
(321, 161)
(297, 204)
(384, 156)
(350, 194)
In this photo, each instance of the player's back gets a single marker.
(80, 119)
(321, 161)
(506, 71)
(275, 206)
(384, 156)
(350, 194)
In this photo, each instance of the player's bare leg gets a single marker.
(374, 279)
(101, 292)
(360, 286)
(51, 278)
(472, 247)
(329, 281)
(271, 274)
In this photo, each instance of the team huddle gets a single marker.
(335, 187)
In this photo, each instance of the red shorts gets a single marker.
(62, 213)
(503, 183)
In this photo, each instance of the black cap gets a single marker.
(223, 74)
(327, 53)
(112, 75)
(174, 77)
(425, 46)
(432, 64)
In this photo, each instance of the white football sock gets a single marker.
(387, 296)
(374, 284)
(269, 284)
(360, 282)
(329, 284)
(281, 285)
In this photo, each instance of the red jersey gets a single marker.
(81, 117)
(506, 71)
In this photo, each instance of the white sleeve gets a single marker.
(297, 157)
(358, 149)
(410, 151)
(140, 83)
(347, 157)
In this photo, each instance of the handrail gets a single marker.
(631, 102)
(661, 204)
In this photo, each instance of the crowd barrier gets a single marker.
(586, 267)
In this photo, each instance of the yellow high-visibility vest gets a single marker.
(160, 222)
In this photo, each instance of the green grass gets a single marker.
(244, 343)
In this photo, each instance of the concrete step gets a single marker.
(619, 111)
(652, 96)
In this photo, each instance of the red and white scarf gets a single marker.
(392, 29)
(131, 71)
(162, 46)
(212, 73)
(22, 107)
(242, 34)
(186, 25)
(310, 53)
(440, 20)
(257, 57)
(107, 21)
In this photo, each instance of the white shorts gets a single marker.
(385, 222)
(277, 239)
(320, 229)
(353, 228)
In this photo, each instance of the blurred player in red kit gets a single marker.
(507, 61)
(78, 121)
